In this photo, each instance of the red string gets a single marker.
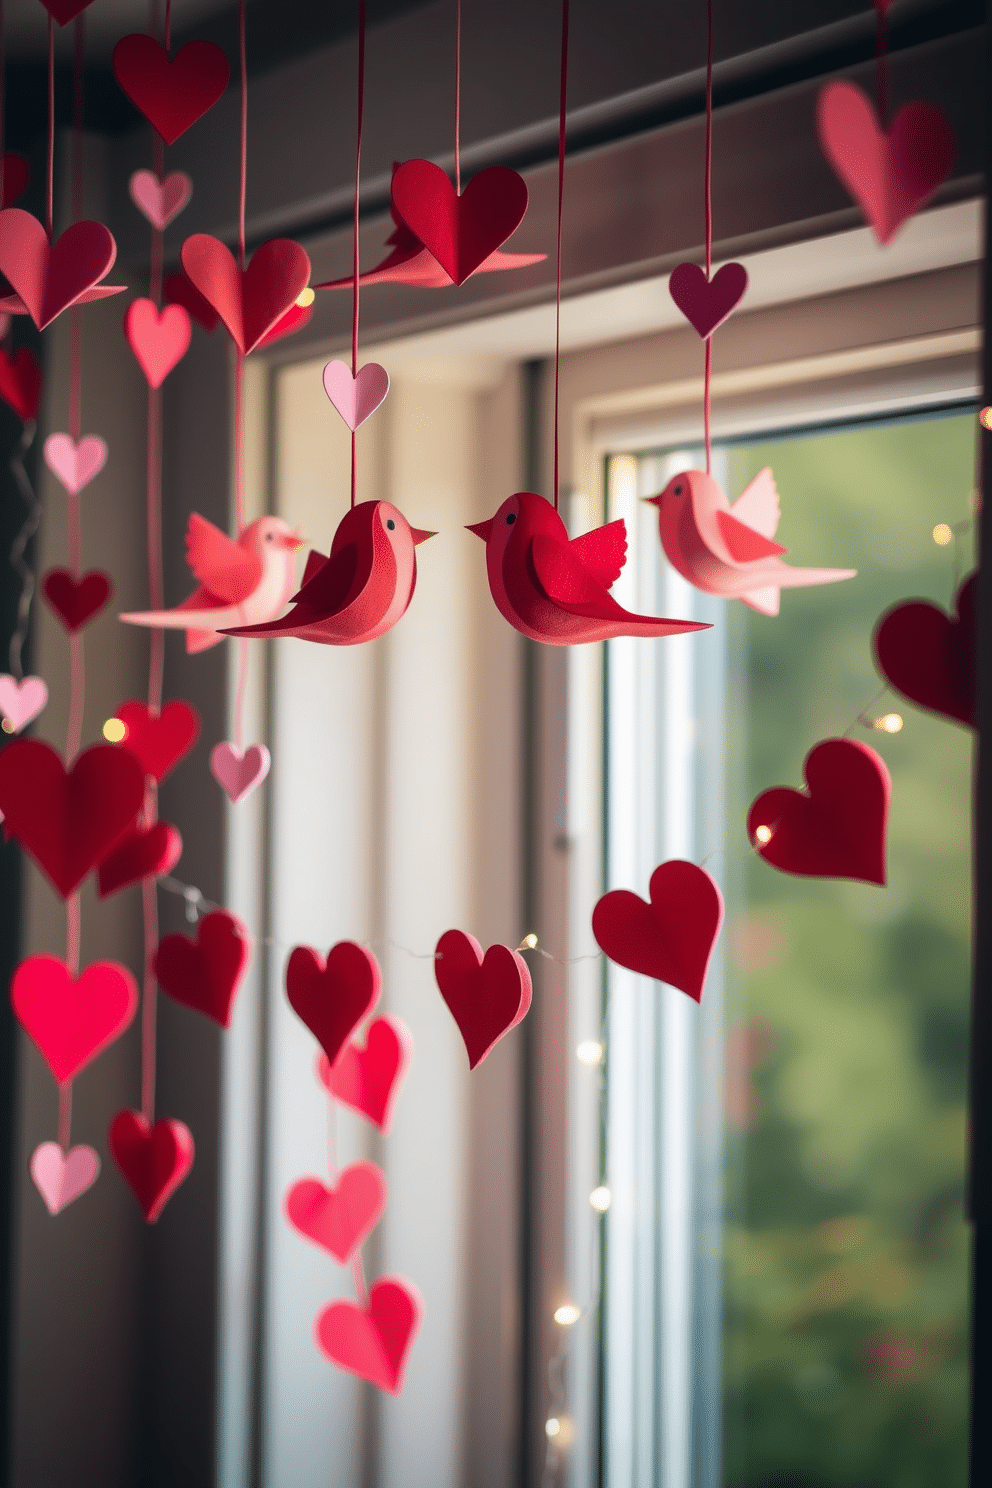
(149, 1000)
(168, 24)
(3, 96)
(239, 699)
(50, 182)
(882, 69)
(239, 440)
(708, 210)
(563, 92)
(244, 134)
(75, 314)
(65, 1115)
(458, 96)
(355, 257)
(72, 939)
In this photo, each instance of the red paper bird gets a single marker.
(362, 589)
(555, 590)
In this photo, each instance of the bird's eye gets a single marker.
(679, 490)
(268, 537)
(391, 524)
(511, 518)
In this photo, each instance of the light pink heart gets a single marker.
(21, 701)
(160, 201)
(61, 1176)
(75, 463)
(355, 398)
(239, 771)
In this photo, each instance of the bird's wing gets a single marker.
(222, 566)
(328, 588)
(758, 506)
(603, 551)
(566, 580)
(744, 543)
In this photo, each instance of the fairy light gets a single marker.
(601, 1199)
(552, 1427)
(590, 1051)
(115, 730)
(985, 417)
(889, 723)
(942, 534)
(305, 298)
(7, 726)
(568, 1314)
(763, 835)
(529, 942)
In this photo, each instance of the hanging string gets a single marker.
(458, 96)
(50, 179)
(77, 659)
(355, 255)
(239, 700)
(239, 360)
(708, 212)
(3, 95)
(17, 560)
(563, 93)
(149, 1000)
(882, 65)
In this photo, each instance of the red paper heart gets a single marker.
(171, 95)
(20, 382)
(180, 291)
(160, 740)
(339, 1219)
(49, 279)
(153, 1159)
(296, 317)
(205, 974)
(706, 303)
(76, 601)
(460, 231)
(370, 1079)
(333, 996)
(72, 1019)
(159, 338)
(64, 11)
(670, 939)
(249, 303)
(16, 175)
(68, 821)
(145, 852)
(836, 827)
(929, 656)
(487, 995)
(373, 1344)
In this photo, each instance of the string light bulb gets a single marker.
(305, 298)
(889, 723)
(762, 835)
(529, 942)
(568, 1314)
(590, 1051)
(7, 726)
(601, 1199)
(552, 1427)
(115, 730)
(942, 534)
(985, 417)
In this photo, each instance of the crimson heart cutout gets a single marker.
(20, 382)
(373, 1344)
(487, 996)
(929, 656)
(16, 175)
(180, 291)
(72, 1019)
(159, 338)
(153, 1159)
(205, 974)
(50, 278)
(172, 95)
(76, 601)
(250, 303)
(339, 1219)
(836, 827)
(68, 821)
(459, 231)
(145, 852)
(296, 317)
(159, 740)
(706, 303)
(370, 1079)
(333, 996)
(64, 11)
(670, 939)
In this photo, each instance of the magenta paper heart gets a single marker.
(50, 279)
(339, 1219)
(75, 463)
(370, 1079)
(72, 1019)
(160, 201)
(239, 771)
(373, 1344)
(21, 701)
(355, 398)
(159, 338)
(61, 1176)
(706, 303)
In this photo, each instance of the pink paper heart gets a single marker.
(239, 771)
(159, 338)
(370, 1079)
(160, 201)
(73, 462)
(705, 303)
(373, 1344)
(339, 1219)
(61, 1176)
(355, 398)
(21, 701)
(46, 278)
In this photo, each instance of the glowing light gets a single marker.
(985, 418)
(530, 942)
(590, 1051)
(305, 297)
(567, 1315)
(552, 1426)
(891, 723)
(763, 835)
(942, 534)
(601, 1199)
(115, 730)
(7, 726)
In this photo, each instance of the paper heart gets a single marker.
(332, 996)
(836, 827)
(20, 701)
(172, 95)
(48, 279)
(355, 398)
(670, 939)
(153, 1159)
(204, 974)
(75, 463)
(339, 1219)
(370, 1079)
(64, 11)
(706, 303)
(20, 382)
(239, 771)
(889, 174)
(160, 201)
(249, 303)
(72, 1019)
(159, 740)
(61, 1176)
(929, 656)
(76, 601)
(16, 175)
(296, 317)
(373, 1344)
(159, 338)
(487, 996)
(179, 291)
(68, 821)
(144, 852)
(460, 231)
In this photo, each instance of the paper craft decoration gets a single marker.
(486, 995)
(60, 1177)
(21, 382)
(707, 303)
(836, 827)
(459, 231)
(295, 318)
(929, 656)
(75, 462)
(555, 590)
(332, 997)
(160, 201)
(250, 302)
(21, 701)
(672, 937)
(179, 290)
(355, 398)
(341, 1218)
(370, 1079)
(205, 974)
(239, 771)
(172, 95)
(16, 175)
(76, 601)
(68, 820)
(46, 279)
(71, 1019)
(159, 740)
(373, 1344)
(889, 174)
(144, 852)
(154, 1160)
(729, 550)
(159, 338)
(64, 11)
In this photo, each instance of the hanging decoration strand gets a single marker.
(882, 66)
(17, 560)
(563, 93)
(458, 97)
(708, 213)
(50, 177)
(239, 360)
(356, 284)
(3, 95)
(77, 659)
(149, 1000)
(243, 187)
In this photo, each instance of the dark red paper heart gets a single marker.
(76, 601)
(159, 740)
(370, 1079)
(16, 175)
(705, 303)
(205, 974)
(296, 317)
(929, 656)
(373, 1344)
(172, 95)
(49, 278)
(459, 231)
(72, 1019)
(339, 1219)
(144, 852)
(333, 996)
(250, 303)
(153, 1159)
(64, 11)
(487, 996)
(670, 939)
(20, 382)
(836, 827)
(179, 290)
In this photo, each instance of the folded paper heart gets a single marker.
(672, 937)
(16, 175)
(154, 1160)
(76, 601)
(144, 852)
(249, 302)
(459, 231)
(180, 291)
(706, 303)
(75, 462)
(836, 827)
(205, 974)
(296, 317)
(333, 996)
(486, 995)
(21, 701)
(72, 1019)
(159, 338)
(61, 1176)
(339, 1219)
(50, 278)
(929, 656)
(20, 382)
(64, 11)
(172, 95)
(160, 201)
(159, 740)
(370, 1079)
(890, 175)
(373, 1344)
(239, 771)
(358, 397)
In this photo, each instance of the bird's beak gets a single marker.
(652, 500)
(294, 540)
(481, 529)
(420, 534)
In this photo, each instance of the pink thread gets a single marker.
(708, 208)
(77, 696)
(244, 134)
(361, 1291)
(355, 255)
(168, 24)
(561, 189)
(332, 1139)
(239, 697)
(50, 181)
(155, 257)
(78, 116)
(458, 96)
(156, 584)
(72, 933)
(149, 908)
(65, 1115)
(882, 68)
(239, 440)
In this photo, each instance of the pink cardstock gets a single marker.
(373, 1344)
(153, 1160)
(159, 338)
(159, 740)
(486, 995)
(929, 656)
(249, 303)
(144, 852)
(60, 1177)
(341, 1218)
(332, 997)
(160, 201)
(75, 463)
(670, 939)
(239, 771)
(370, 1079)
(459, 231)
(172, 95)
(21, 382)
(206, 974)
(48, 279)
(355, 398)
(72, 1019)
(21, 701)
(706, 303)
(76, 601)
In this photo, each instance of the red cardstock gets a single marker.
(16, 175)
(159, 740)
(370, 1079)
(205, 974)
(333, 996)
(706, 303)
(20, 382)
(159, 338)
(373, 1344)
(172, 95)
(64, 11)
(296, 317)
(670, 939)
(341, 1218)
(459, 231)
(929, 656)
(72, 1019)
(249, 303)
(179, 290)
(486, 995)
(145, 852)
(76, 601)
(154, 1160)
(48, 279)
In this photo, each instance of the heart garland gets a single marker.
(341, 1218)
(159, 338)
(332, 997)
(671, 938)
(48, 278)
(373, 1344)
(72, 1019)
(249, 302)
(205, 974)
(486, 995)
(707, 303)
(172, 94)
(145, 852)
(355, 398)
(76, 601)
(75, 462)
(61, 1177)
(459, 231)
(239, 771)
(154, 1160)
(21, 700)
(928, 656)
(159, 740)
(370, 1079)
